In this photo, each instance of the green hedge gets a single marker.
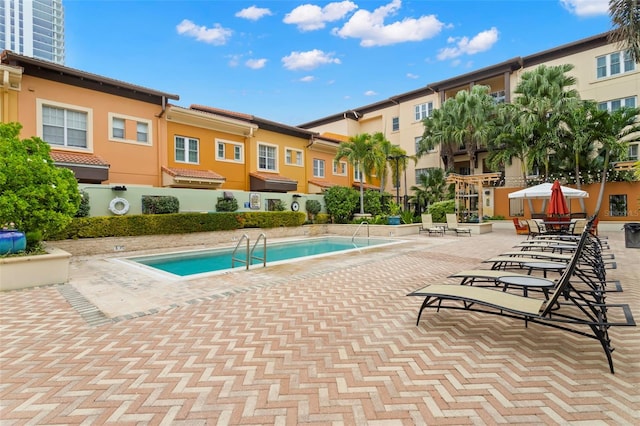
(175, 223)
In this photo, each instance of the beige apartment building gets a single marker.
(602, 70)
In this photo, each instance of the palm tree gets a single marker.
(361, 152)
(614, 130)
(437, 133)
(430, 189)
(384, 149)
(544, 95)
(625, 17)
(473, 114)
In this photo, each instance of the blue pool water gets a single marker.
(199, 262)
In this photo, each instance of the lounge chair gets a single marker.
(452, 225)
(581, 312)
(428, 226)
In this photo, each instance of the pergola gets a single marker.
(469, 187)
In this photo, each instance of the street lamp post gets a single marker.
(397, 159)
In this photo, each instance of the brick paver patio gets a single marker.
(325, 341)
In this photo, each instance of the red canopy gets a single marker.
(557, 203)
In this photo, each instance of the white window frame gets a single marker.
(624, 102)
(275, 157)
(634, 151)
(395, 124)
(319, 168)
(423, 110)
(238, 156)
(357, 173)
(343, 165)
(41, 103)
(187, 149)
(129, 118)
(289, 157)
(604, 63)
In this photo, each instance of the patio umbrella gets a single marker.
(557, 203)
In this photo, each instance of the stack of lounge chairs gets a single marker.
(574, 302)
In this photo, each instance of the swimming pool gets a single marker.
(196, 263)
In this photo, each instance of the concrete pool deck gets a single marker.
(331, 340)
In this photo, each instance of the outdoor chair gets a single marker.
(428, 226)
(521, 226)
(578, 311)
(452, 225)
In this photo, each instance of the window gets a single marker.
(267, 157)
(65, 127)
(223, 154)
(118, 128)
(614, 64)
(417, 141)
(357, 174)
(142, 132)
(340, 168)
(633, 151)
(615, 104)
(122, 128)
(424, 110)
(395, 124)
(499, 97)
(618, 205)
(293, 156)
(318, 168)
(186, 150)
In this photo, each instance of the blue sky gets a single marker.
(297, 61)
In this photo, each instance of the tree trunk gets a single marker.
(603, 181)
(578, 182)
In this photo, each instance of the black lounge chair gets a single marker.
(581, 310)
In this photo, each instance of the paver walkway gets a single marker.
(326, 341)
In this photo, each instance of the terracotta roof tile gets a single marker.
(221, 111)
(271, 176)
(321, 184)
(192, 173)
(69, 157)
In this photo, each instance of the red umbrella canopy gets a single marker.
(557, 204)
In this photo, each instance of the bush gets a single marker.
(373, 202)
(85, 206)
(440, 209)
(278, 206)
(160, 204)
(312, 207)
(40, 198)
(322, 218)
(226, 204)
(341, 203)
(174, 223)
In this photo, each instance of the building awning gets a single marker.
(191, 178)
(366, 186)
(87, 168)
(271, 182)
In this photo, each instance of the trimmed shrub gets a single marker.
(440, 209)
(160, 204)
(341, 203)
(85, 206)
(226, 204)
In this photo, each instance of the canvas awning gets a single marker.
(544, 191)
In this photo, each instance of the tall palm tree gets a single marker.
(361, 152)
(474, 112)
(438, 133)
(384, 149)
(625, 16)
(544, 95)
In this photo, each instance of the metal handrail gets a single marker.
(364, 222)
(264, 250)
(233, 255)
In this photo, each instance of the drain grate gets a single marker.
(88, 311)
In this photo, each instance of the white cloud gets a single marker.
(253, 13)
(370, 93)
(412, 76)
(308, 60)
(586, 7)
(309, 17)
(371, 29)
(216, 35)
(256, 64)
(234, 60)
(307, 79)
(464, 46)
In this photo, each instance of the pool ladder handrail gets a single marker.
(264, 250)
(249, 252)
(234, 259)
(364, 222)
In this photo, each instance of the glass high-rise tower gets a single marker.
(33, 28)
